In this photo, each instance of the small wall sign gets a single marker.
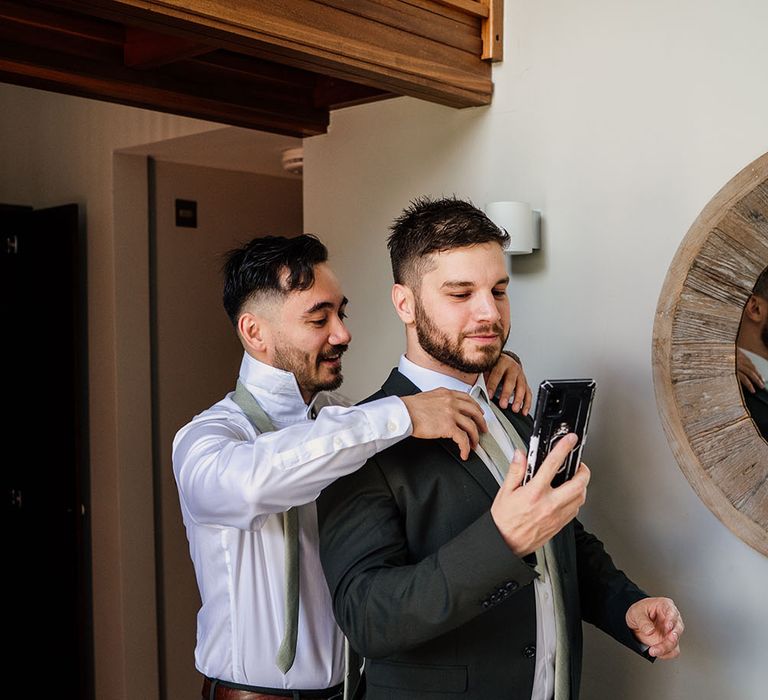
(186, 213)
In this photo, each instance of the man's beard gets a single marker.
(449, 351)
(300, 364)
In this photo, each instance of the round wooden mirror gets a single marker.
(715, 441)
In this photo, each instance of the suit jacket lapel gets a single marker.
(399, 385)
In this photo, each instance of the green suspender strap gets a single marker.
(287, 651)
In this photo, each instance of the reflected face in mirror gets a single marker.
(752, 354)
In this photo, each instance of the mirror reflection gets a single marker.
(752, 354)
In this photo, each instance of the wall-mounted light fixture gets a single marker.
(522, 223)
(293, 160)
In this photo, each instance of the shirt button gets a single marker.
(338, 443)
(529, 652)
(392, 426)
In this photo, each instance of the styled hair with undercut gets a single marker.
(270, 266)
(434, 225)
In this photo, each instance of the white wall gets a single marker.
(619, 120)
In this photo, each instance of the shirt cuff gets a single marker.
(388, 417)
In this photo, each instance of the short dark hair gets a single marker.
(434, 225)
(761, 286)
(260, 265)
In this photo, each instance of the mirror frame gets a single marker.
(712, 436)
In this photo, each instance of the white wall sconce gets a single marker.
(522, 223)
(293, 160)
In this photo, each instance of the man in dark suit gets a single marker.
(752, 353)
(449, 578)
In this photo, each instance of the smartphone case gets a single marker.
(563, 406)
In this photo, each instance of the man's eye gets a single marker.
(460, 295)
(499, 293)
(318, 323)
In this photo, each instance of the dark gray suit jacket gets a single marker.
(757, 405)
(425, 588)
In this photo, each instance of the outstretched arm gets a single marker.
(607, 595)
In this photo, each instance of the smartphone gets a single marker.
(562, 406)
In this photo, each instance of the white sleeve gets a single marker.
(229, 475)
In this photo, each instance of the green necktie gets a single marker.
(491, 446)
(287, 651)
(545, 556)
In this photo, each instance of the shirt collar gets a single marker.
(276, 390)
(428, 379)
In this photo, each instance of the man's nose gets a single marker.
(485, 309)
(340, 334)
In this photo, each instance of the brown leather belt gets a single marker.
(218, 690)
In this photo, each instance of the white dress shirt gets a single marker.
(234, 485)
(546, 641)
(760, 363)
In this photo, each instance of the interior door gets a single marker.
(44, 443)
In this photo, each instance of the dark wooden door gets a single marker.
(44, 452)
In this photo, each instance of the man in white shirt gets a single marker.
(249, 468)
(449, 578)
(752, 353)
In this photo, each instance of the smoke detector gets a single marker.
(293, 160)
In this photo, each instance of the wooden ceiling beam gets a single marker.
(146, 49)
(76, 26)
(322, 38)
(34, 67)
(335, 94)
(277, 66)
(419, 20)
(246, 67)
(472, 7)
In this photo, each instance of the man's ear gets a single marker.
(254, 332)
(405, 303)
(756, 309)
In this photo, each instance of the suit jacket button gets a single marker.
(529, 652)
(486, 603)
(511, 586)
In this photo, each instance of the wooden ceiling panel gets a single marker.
(42, 70)
(145, 49)
(315, 36)
(274, 66)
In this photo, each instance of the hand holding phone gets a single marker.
(563, 406)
